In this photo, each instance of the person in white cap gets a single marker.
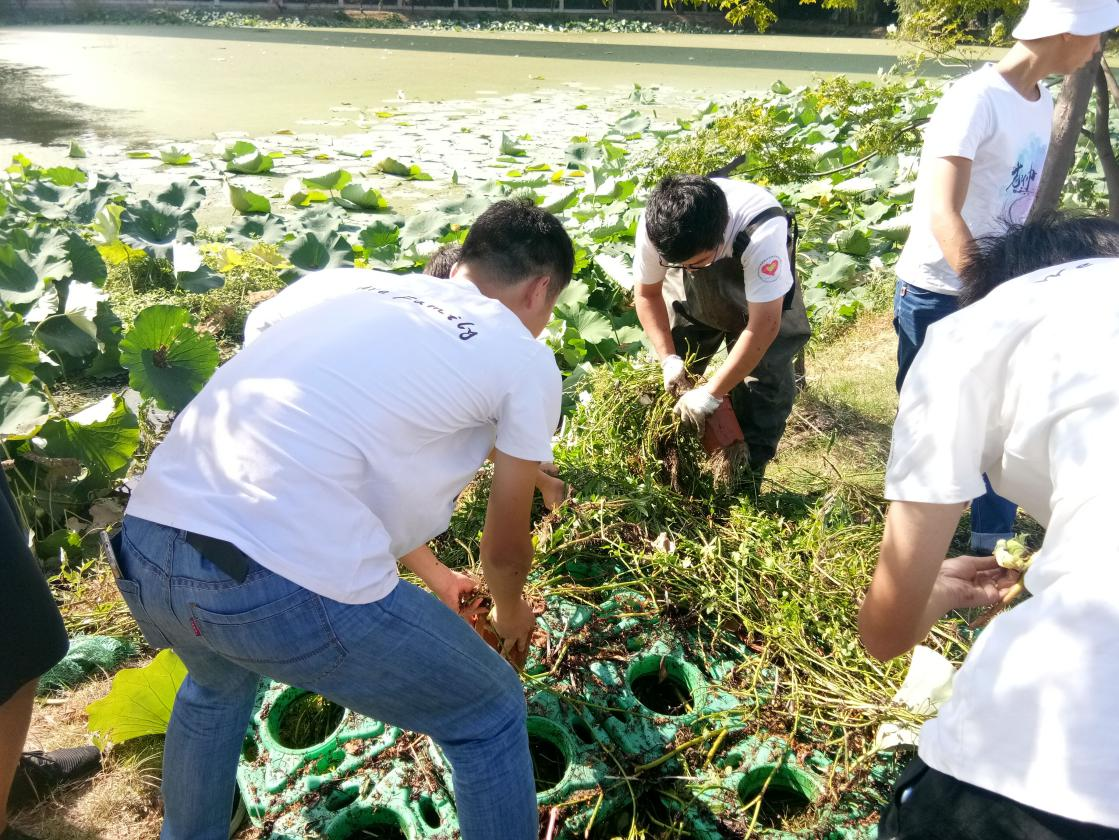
(983, 155)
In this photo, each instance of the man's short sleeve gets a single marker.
(948, 408)
(647, 268)
(960, 123)
(530, 411)
(765, 262)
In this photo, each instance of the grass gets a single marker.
(780, 570)
(119, 803)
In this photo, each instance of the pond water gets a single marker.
(328, 98)
(143, 84)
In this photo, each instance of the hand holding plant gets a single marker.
(966, 582)
(514, 627)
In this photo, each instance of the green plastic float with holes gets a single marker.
(631, 729)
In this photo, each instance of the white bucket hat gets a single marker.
(1075, 17)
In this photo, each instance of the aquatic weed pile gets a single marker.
(758, 590)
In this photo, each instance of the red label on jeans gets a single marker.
(194, 626)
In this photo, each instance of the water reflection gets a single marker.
(33, 111)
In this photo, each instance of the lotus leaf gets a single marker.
(167, 359)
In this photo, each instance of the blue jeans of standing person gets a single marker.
(405, 660)
(915, 310)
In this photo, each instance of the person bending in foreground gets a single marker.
(318, 286)
(1021, 386)
(263, 537)
(711, 267)
(983, 154)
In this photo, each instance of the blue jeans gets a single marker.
(406, 660)
(915, 310)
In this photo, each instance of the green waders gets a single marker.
(707, 308)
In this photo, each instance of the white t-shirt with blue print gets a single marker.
(981, 118)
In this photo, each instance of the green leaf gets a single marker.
(852, 241)
(139, 154)
(593, 327)
(331, 179)
(268, 229)
(631, 336)
(61, 542)
(174, 155)
(884, 171)
(64, 176)
(18, 356)
(363, 197)
(237, 148)
(201, 279)
(68, 334)
(837, 272)
(631, 124)
(23, 408)
(780, 88)
(75, 150)
(102, 439)
(381, 244)
(895, 229)
(182, 195)
(19, 282)
(391, 166)
(109, 328)
(297, 194)
(508, 146)
(424, 227)
(139, 703)
(85, 261)
(310, 253)
(153, 228)
(253, 163)
(167, 359)
(573, 298)
(244, 201)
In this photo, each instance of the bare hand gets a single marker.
(514, 627)
(553, 489)
(456, 590)
(966, 582)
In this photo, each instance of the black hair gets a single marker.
(686, 215)
(1050, 240)
(443, 260)
(514, 240)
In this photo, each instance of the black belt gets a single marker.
(223, 554)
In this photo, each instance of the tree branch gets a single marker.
(1068, 117)
(1101, 137)
(1109, 77)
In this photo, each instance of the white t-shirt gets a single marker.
(337, 442)
(981, 118)
(1023, 386)
(310, 290)
(765, 263)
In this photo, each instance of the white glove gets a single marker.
(674, 374)
(695, 407)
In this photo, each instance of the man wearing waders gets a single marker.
(713, 265)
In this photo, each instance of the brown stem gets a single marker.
(1101, 137)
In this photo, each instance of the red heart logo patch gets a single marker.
(769, 269)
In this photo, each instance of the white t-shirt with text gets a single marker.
(765, 263)
(1023, 386)
(1006, 137)
(338, 440)
(309, 290)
